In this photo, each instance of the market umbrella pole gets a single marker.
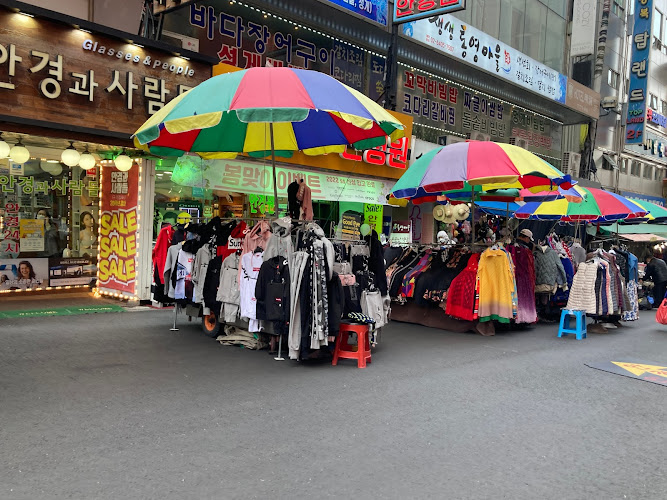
(275, 181)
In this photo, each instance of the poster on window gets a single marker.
(22, 274)
(119, 224)
(71, 271)
(32, 235)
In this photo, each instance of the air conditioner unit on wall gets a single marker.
(517, 141)
(571, 162)
(185, 42)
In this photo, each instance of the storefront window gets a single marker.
(48, 220)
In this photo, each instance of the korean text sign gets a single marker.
(119, 225)
(464, 42)
(641, 48)
(93, 80)
(411, 10)
(375, 10)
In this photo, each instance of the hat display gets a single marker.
(462, 211)
(439, 213)
(450, 215)
(527, 232)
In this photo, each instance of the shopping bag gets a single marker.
(661, 314)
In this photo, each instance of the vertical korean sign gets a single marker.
(641, 48)
(119, 229)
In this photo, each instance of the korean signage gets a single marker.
(60, 186)
(243, 37)
(582, 99)
(373, 216)
(639, 61)
(411, 10)
(656, 118)
(118, 229)
(584, 22)
(251, 177)
(654, 147)
(91, 80)
(450, 36)
(645, 197)
(538, 134)
(442, 105)
(375, 10)
(401, 231)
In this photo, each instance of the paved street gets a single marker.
(117, 406)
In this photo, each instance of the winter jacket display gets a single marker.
(211, 283)
(272, 290)
(578, 254)
(229, 294)
(548, 268)
(582, 293)
(280, 243)
(199, 269)
(234, 241)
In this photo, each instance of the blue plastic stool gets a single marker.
(580, 324)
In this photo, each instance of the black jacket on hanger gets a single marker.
(273, 290)
(292, 202)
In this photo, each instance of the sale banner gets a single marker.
(119, 230)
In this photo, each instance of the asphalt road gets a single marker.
(117, 406)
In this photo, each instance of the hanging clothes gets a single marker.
(272, 291)
(199, 271)
(497, 286)
(549, 271)
(304, 196)
(299, 264)
(183, 287)
(292, 201)
(229, 294)
(169, 268)
(280, 243)
(162, 247)
(211, 285)
(524, 268)
(462, 292)
(251, 263)
(234, 241)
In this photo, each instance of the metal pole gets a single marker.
(391, 71)
(273, 165)
(173, 328)
(280, 348)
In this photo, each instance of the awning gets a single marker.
(610, 160)
(643, 238)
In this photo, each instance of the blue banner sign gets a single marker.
(641, 48)
(375, 10)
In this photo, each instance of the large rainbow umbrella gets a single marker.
(235, 112)
(597, 206)
(268, 111)
(490, 165)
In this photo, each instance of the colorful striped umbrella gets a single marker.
(262, 110)
(655, 213)
(488, 164)
(597, 206)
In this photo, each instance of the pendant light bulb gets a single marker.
(19, 153)
(70, 156)
(4, 148)
(123, 162)
(87, 161)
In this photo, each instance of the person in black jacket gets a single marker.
(656, 271)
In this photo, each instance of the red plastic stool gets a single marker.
(344, 350)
